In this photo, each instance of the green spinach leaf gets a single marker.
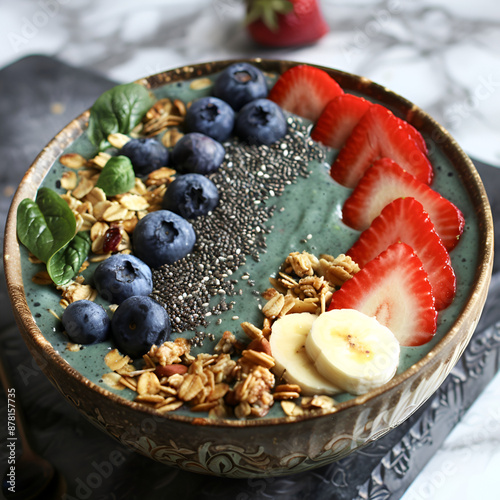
(117, 176)
(46, 225)
(65, 263)
(118, 109)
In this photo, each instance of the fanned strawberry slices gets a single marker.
(405, 220)
(381, 134)
(394, 288)
(305, 91)
(385, 181)
(407, 227)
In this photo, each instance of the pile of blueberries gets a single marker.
(238, 106)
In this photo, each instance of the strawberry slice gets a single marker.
(385, 181)
(338, 120)
(394, 288)
(380, 134)
(305, 91)
(405, 220)
(414, 134)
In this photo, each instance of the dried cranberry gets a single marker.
(112, 238)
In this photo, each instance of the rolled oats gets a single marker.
(190, 387)
(175, 405)
(273, 306)
(118, 140)
(83, 188)
(134, 202)
(200, 84)
(76, 291)
(180, 107)
(171, 137)
(115, 361)
(251, 330)
(259, 358)
(73, 160)
(69, 180)
(291, 409)
(95, 196)
(99, 161)
(148, 383)
(112, 380)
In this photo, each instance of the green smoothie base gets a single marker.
(307, 218)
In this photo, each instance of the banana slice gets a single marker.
(353, 350)
(288, 338)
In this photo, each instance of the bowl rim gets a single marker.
(415, 115)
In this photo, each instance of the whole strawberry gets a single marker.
(285, 23)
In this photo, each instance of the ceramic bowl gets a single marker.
(273, 445)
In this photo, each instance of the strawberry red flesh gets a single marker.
(385, 181)
(338, 120)
(380, 134)
(304, 91)
(414, 134)
(405, 220)
(394, 288)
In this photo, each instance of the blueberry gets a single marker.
(239, 84)
(121, 276)
(191, 195)
(261, 122)
(210, 116)
(163, 237)
(197, 153)
(86, 322)
(137, 324)
(146, 155)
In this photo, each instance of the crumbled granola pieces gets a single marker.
(172, 377)
(252, 394)
(337, 270)
(309, 404)
(169, 352)
(164, 114)
(306, 283)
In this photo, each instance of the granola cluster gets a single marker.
(237, 379)
(306, 283)
(171, 377)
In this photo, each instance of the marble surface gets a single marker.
(443, 55)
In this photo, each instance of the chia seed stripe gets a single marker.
(237, 227)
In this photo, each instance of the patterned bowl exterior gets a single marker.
(267, 447)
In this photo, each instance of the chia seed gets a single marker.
(242, 186)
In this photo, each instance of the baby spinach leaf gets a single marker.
(117, 176)
(46, 225)
(65, 263)
(118, 109)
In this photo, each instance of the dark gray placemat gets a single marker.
(44, 95)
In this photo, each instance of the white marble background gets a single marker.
(444, 55)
